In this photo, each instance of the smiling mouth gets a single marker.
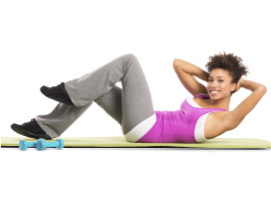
(214, 92)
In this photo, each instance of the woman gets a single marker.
(201, 117)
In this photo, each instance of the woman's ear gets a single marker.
(233, 87)
(238, 85)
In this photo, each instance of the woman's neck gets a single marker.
(223, 103)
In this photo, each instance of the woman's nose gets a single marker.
(214, 83)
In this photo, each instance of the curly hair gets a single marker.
(229, 62)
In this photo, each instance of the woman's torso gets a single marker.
(213, 119)
(185, 125)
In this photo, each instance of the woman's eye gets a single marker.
(212, 80)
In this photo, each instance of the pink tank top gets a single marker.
(176, 126)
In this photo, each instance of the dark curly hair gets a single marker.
(229, 62)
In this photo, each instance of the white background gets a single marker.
(47, 42)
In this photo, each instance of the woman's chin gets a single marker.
(214, 95)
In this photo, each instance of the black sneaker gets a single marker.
(57, 93)
(30, 129)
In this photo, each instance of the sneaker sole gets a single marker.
(23, 132)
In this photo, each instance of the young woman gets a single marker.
(204, 116)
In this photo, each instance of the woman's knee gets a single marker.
(130, 57)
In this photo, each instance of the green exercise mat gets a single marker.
(88, 142)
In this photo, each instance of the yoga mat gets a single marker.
(121, 142)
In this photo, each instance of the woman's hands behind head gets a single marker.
(239, 84)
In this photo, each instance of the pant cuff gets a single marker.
(46, 128)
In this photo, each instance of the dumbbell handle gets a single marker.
(52, 144)
(31, 144)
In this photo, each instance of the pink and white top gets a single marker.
(184, 126)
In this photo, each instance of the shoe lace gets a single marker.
(32, 121)
(57, 89)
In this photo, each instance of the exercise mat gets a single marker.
(120, 142)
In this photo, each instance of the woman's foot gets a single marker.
(30, 129)
(57, 93)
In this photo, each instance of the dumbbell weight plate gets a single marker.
(61, 143)
(22, 145)
(40, 144)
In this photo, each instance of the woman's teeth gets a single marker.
(214, 91)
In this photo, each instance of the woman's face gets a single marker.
(219, 84)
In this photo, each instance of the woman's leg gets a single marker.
(111, 102)
(130, 107)
(64, 115)
(60, 119)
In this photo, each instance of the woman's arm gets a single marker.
(236, 116)
(185, 72)
(250, 85)
(192, 69)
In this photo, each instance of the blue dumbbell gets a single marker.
(23, 144)
(42, 144)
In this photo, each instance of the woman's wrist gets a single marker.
(241, 82)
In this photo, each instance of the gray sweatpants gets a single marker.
(129, 106)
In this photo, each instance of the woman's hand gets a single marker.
(239, 84)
